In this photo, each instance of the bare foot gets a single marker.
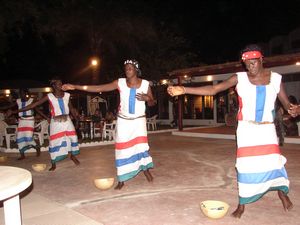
(119, 186)
(75, 160)
(22, 156)
(286, 202)
(148, 175)
(239, 211)
(53, 167)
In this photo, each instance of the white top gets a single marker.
(129, 105)
(59, 106)
(13, 181)
(256, 102)
(23, 104)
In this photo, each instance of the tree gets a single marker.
(62, 35)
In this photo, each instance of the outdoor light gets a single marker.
(94, 62)
(297, 63)
(7, 92)
(47, 89)
(164, 82)
(84, 87)
(209, 78)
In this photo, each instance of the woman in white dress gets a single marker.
(131, 147)
(259, 163)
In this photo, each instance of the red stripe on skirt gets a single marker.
(258, 150)
(130, 143)
(25, 128)
(61, 134)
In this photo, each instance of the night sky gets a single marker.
(38, 39)
(219, 29)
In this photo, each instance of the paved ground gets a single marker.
(187, 171)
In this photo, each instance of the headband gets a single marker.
(135, 64)
(251, 55)
(132, 62)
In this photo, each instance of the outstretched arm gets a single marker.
(92, 88)
(11, 105)
(41, 113)
(204, 90)
(32, 105)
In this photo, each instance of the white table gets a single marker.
(13, 180)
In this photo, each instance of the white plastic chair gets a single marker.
(109, 131)
(99, 129)
(4, 133)
(42, 132)
(152, 123)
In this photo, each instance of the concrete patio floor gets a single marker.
(187, 170)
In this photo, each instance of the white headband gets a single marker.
(133, 62)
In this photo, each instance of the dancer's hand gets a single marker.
(176, 90)
(294, 110)
(67, 87)
(142, 97)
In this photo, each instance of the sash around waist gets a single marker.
(257, 123)
(26, 117)
(60, 118)
(130, 118)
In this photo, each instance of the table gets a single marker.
(13, 181)
(88, 125)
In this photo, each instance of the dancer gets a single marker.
(131, 148)
(259, 163)
(63, 138)
(26, 122)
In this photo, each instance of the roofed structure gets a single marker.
(232, 67)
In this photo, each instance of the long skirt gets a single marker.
(25, 130)
(131, 148)
(63, 139)
(259, 163)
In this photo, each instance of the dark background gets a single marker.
(40, 39)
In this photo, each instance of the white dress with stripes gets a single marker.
(25, 128)
(131, 148)
(259, 162)
(63, 137)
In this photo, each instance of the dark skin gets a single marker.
(133, 81)
(294, 110)
(59, 93)
(23, 96)
(257, 75)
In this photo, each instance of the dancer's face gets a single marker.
(254, 66)
(57, 85)
(130, 70)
